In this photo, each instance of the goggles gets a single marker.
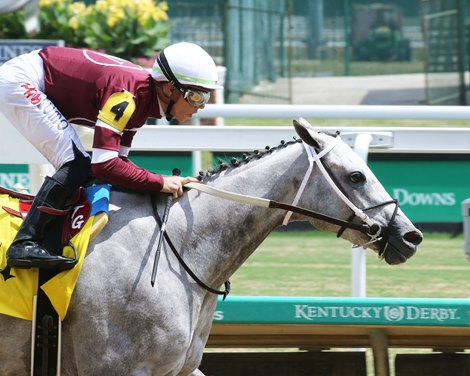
(195, 97)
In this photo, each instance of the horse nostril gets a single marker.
(414, 237)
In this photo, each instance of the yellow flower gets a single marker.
(163, 6)
(48, 3)
(123, 3)
(112, 21)
(160, 15)
(145, 9)
(74, 23)
(116, 14)
(119, 13)
(142, 19)
(77, 8)
(101, 5)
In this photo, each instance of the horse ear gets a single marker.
(307, 133)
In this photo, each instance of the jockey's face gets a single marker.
(182, 109)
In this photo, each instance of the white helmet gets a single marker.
(186, 64)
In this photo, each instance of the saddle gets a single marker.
(84, 217)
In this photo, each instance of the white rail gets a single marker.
(15, 149)
(243, 138)
(336, 111)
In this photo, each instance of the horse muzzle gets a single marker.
(396, 249)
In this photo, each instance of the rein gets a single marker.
(182, 262)
(265, 203)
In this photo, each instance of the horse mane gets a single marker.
(244, 159)
(248, 157)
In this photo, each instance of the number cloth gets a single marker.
(19, 286)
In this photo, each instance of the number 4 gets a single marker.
(118, 109)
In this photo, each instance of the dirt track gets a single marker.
(402, 89)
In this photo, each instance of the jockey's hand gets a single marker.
(174, 184)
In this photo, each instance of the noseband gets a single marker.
(383, 233)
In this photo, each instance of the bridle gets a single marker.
(376, 232)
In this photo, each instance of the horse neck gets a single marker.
(235, 230)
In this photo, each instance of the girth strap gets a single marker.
(46, 333)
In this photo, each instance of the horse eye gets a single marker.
(357, 177)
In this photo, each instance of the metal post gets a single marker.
(31, 14)
(315, 28)
(466, 226)
(290, 47)
(461, 35)
(358, 257)
(347, 38)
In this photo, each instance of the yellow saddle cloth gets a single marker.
(19, 286)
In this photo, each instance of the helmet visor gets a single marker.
(195, 97)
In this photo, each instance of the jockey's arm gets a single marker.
(107, 164)
(110, 163)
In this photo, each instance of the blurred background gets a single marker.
(274, 51)
(266, 45)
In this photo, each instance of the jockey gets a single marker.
(45, 91)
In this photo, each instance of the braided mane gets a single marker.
(248, 157)
(245, 158)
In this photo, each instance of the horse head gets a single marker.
(353, 193)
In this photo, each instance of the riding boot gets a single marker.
(26, 250)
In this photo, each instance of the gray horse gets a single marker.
(118, 324)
